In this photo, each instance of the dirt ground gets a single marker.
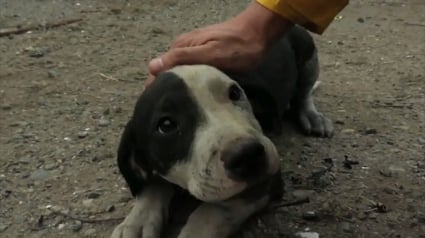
(66, 93)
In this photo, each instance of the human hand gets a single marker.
(237, 44)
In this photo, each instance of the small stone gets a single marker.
(124, 198)
(115, 10)
(76, 226)
(106, 112)
(157, 31)
(422, 229)
(18, 124)
(307, 234)
(36, 52)
(52, 74)
(118, 110)
(90, 232)
(390, 190)
(61, 226)
(310, 215)
(6, 107)
(110, 208)
(371, 131)
(346, 227)
(339, 122)
(3, 227)
(82, 134)
(301, 194)
(87, 202)
(50, 166)
(362, 216)
(93, 195)
(39, 174)
(360, 19)
(103, 122)
(385, 172)
(348, 131)
(373, 216)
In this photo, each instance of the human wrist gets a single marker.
(264, 22)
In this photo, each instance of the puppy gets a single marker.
(199, 129)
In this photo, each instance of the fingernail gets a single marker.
(156, 65)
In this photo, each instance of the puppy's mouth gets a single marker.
(215, 190)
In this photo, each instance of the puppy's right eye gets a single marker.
(166, 125)
(235, 93)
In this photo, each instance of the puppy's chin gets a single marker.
(215, 190)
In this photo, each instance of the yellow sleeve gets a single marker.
(314, 15)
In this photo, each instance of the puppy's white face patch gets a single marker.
(224, 122)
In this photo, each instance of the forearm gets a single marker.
(268, 24)
(314, 15)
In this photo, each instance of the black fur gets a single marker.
(168, 96)
(273, 86)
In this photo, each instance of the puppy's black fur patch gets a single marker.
(146, 150)
(273, 86)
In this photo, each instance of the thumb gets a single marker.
(179, 56)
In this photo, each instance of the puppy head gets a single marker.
(195, 128)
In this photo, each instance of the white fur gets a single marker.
(204, 175)
(146, 217)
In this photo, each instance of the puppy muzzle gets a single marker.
(245, 160)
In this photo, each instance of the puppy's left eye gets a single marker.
(235, 93)
(166, 125)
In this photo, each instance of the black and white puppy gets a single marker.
(201, 130)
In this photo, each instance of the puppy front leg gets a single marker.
(220, 220)
(148, 213)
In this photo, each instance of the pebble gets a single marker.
(422, 229)
(339, 122)
(345, 226)
(302, 193)
(52, 74)
(385, 173)
(118, 110)
(39, 174)
(36, 52)
(3, 227)
(362, 216)
(373, 215)
(360, 19)
(103, 122)
(82, 134)
(110, 208)
(61, 226)
(307, 234)
(348, 131)
(389, 190)
(6, 107)
(371, 131)
(93, 195)
(90, 232)
(310, 215)
(50, 166)
(76, 226)
(88, 202)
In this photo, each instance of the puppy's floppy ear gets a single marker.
(127, 153)
(262, 100)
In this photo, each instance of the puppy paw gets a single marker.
(128, 230)
(315, 123)
(124, 230)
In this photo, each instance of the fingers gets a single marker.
(179, 56)
(149, 80)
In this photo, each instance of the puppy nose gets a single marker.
(245, 160)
